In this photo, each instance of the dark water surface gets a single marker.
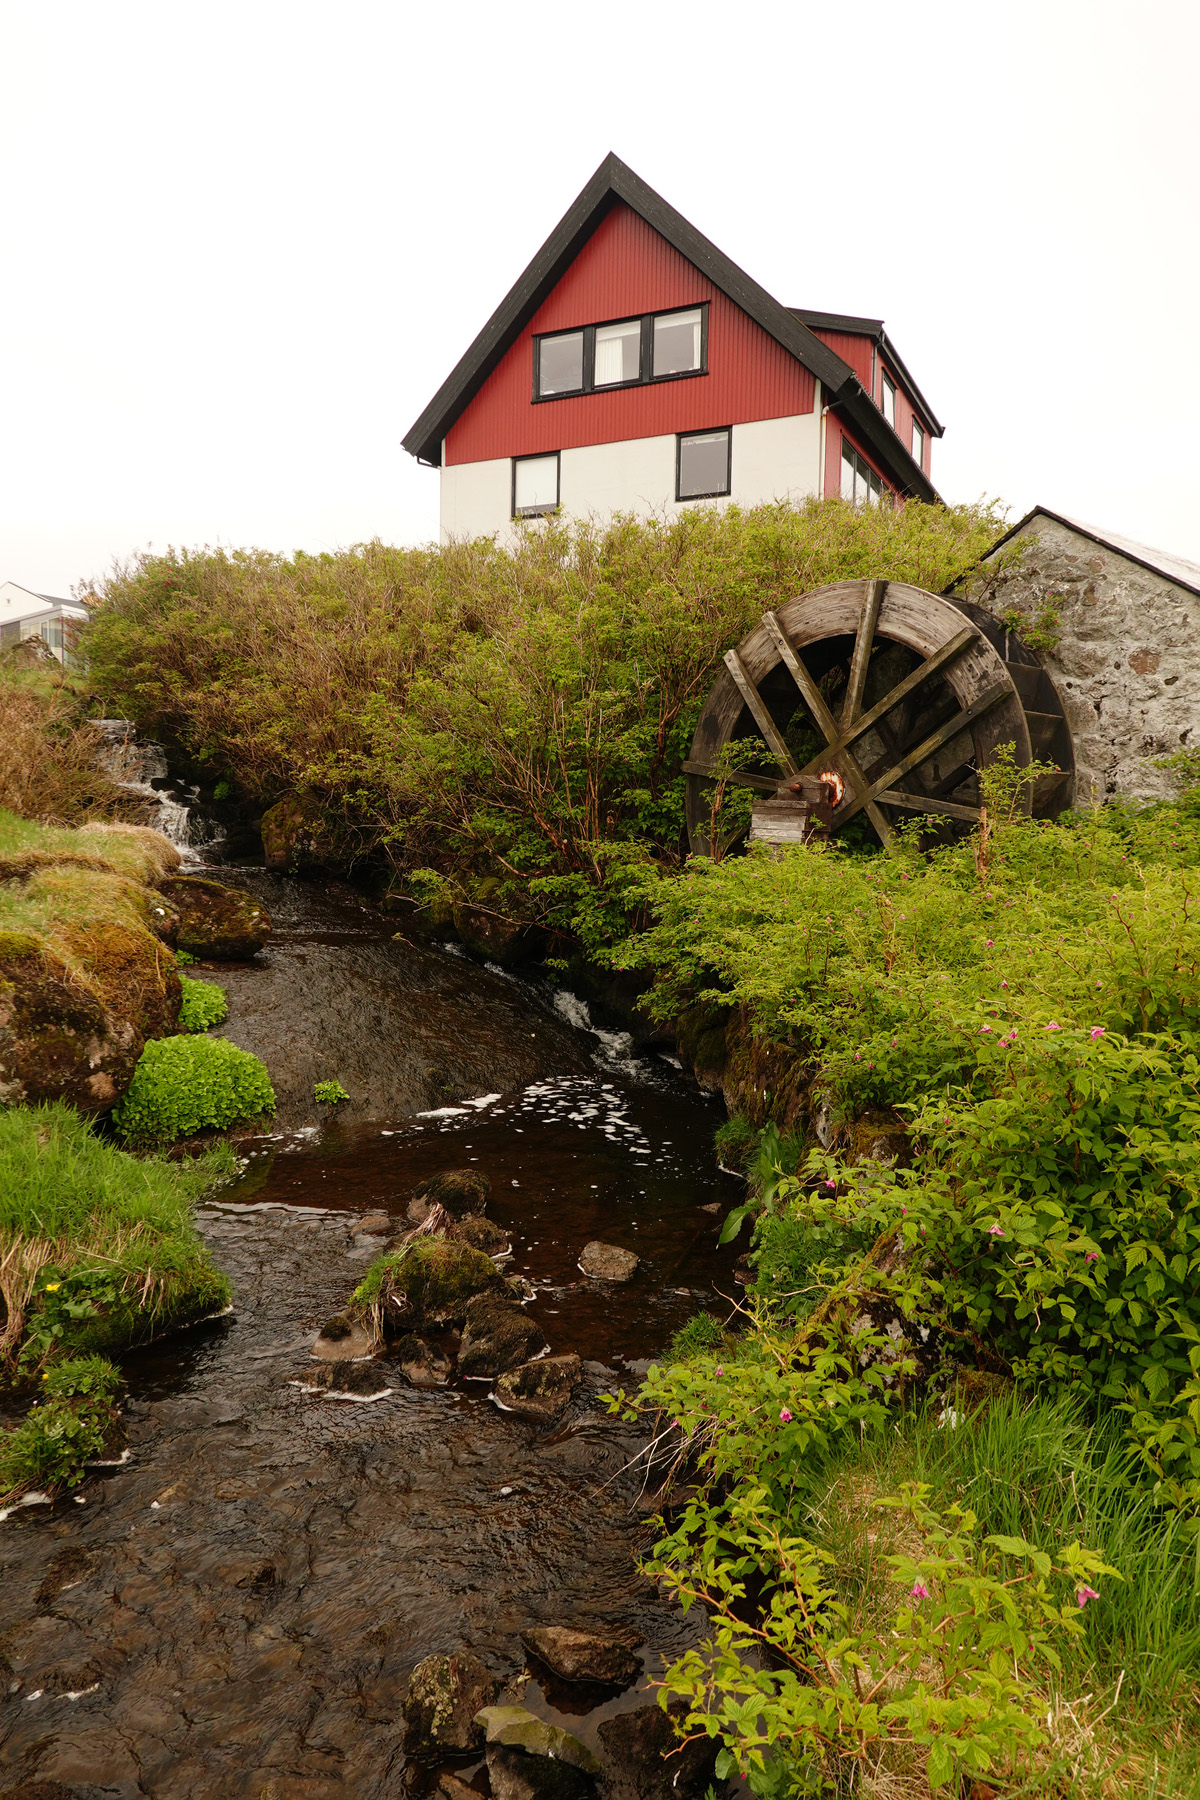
(236, 1609)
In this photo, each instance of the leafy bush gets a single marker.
(97, 1247)
(204, 1004)
(329, 1093)
(517, 716)
(702, 1332)
(735, 1142)
(183, 1085)
(64, 1428)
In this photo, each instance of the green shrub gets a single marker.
(204, 1004)
(513, 714)
(183, 1085)
(735, 1142)
(66, 1426)
(329, 1093)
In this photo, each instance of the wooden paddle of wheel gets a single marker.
(905, 696)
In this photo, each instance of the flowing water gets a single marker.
(235, 1609)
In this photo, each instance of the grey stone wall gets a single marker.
(1127, 664)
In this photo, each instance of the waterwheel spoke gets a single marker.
(813, 698)
(762, 717)
(931, 666)
(863, 642)
(1000, 690)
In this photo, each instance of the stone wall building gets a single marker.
(1124, 653)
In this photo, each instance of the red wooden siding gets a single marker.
(624, 269)
(853, 349)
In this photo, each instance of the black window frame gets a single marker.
(864, 471)
(647, 378)
(682, 499)
(537, 512)
(918, 430)
(885, 383)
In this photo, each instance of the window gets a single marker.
(535, 485)
(677, 343)
(560, 363)
(656, 347)
(889, 401)
(618, 353)
(918, 445)
(860, 484)
(702, 465)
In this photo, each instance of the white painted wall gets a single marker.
(773, 459)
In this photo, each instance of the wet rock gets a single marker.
(584, 1655)
(540, 1391)
(363, 1379)
(463, 1193)
(445, 1695)
(376, 1224)
(515, 1775)
(421, 1363)
(497, 1335)
(344, 1338)
(428, 1281)
(451, 1788)
(483, 1235)
(607, 1262)
(296, 835)
(497, 939)
(644, 1760)
(38, 1790)
(516, 1728)
(215, 921)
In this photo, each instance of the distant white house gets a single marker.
(27, 615)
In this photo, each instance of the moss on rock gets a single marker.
(216, 921)
(463, 1193)
(427, 1281)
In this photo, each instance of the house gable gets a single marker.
(626, 269)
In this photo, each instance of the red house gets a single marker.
(635, 368)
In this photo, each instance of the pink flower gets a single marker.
(785, 1416)
(1053, 1026)
(919, 1591)
(830, 1184)
(720, 1370)
(1084, 1594)
(1004, 984)
(990, 945)
(1097, 1031)
(995, 1231)
(1092, 1256)
(984, 1028)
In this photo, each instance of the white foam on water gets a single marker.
(31, 1499)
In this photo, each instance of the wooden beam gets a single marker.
(902, 689)
(762, 717)
(1000, 690)
(921, 803)
(762, 784)
(811, 694)
(863, 641)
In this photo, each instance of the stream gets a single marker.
(236, 1608)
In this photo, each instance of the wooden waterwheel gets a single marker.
(901, 695)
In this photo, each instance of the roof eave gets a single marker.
(908, 475)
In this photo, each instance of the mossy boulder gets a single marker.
(296, 834)
(496, 939)
(428, 1281)
(57, 1039)
(497, 1335)
(445, 1693)
(463, 1193)
(540, 1390)
(216, 921)
(481, 1234)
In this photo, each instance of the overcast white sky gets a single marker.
(242, 244)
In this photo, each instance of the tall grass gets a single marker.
(85, 1224)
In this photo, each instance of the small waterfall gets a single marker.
(159, 799)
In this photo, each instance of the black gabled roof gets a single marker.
(614, 182)
(872, 328)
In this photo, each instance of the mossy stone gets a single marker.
(497, 1336)
(463, 1193)
(216, 921)
(426, 1282)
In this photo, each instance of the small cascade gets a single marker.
(158, 799)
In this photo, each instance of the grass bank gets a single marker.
(513, 721)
